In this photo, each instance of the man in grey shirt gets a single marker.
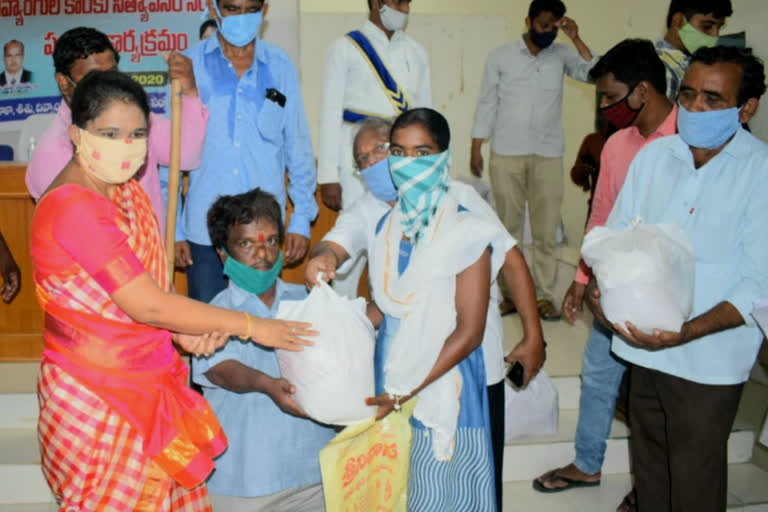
(520, 108)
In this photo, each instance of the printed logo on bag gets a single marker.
(356, 464)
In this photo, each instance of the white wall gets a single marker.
(281, 26)
(458, 35)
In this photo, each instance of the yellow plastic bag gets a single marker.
(365, 467)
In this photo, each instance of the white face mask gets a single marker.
(392, 19)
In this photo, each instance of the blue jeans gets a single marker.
(601, 375)
(205, 278)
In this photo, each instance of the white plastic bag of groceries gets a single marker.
(532, 411)
(335, 375)
(645, 274)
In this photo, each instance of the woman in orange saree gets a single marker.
(119, 429)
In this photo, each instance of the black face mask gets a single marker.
(621, 114)
(542, 39)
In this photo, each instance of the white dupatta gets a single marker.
(424, 299)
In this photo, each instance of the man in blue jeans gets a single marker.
(631, 86)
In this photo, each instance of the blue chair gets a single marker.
(6, 153)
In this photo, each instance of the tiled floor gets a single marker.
(748, 487)
(565, 343)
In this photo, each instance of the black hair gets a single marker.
(244, 208)
(631, 62)
(78, 43)
(261, 2)
(432, 120)
(98, 89)
(717, 8)
(211, 23)
(13, 41)
(556, 7)
(752, 70)
(370, 3)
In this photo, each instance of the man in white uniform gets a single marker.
(379, 72)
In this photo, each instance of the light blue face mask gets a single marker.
(707, 130)
(379, 181)
(240, 29)
(250, 279)
(421, 184)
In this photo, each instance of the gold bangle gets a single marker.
(248, 328)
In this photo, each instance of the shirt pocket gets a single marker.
(715, 238)
(271, 121)
(551, 76)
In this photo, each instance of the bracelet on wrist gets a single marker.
(248, 332)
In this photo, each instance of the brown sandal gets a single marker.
(547, 310)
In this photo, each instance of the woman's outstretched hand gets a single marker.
(282, 334)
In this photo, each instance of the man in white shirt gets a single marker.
(520, 108)
(685, 386)
(13, 57)
(356, 88)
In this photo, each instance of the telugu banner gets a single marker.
(140, 30)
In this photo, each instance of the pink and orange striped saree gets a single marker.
(119, 428)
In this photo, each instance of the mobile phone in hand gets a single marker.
(516, 374)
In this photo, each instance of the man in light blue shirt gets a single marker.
(272, 460)
(711, 179)
(521, 109)
(256, 129)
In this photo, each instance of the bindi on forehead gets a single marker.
(261, 236)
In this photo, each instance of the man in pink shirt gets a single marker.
(631, 86)
(81, 50)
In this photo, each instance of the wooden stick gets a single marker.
(173, 177)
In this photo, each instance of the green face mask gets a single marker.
(693, 39)
(250, 279)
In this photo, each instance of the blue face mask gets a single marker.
(379, 181)
(542, 39)
(238, 30)
(250, 279)
(707, 130)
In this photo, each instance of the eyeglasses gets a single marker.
(365, 160)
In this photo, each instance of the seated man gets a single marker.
(272, 460)
(354, 232)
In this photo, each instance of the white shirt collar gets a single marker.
(241, 296)
(17, 76)
(374, 32)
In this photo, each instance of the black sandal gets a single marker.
(629, 503)
(553, 476)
